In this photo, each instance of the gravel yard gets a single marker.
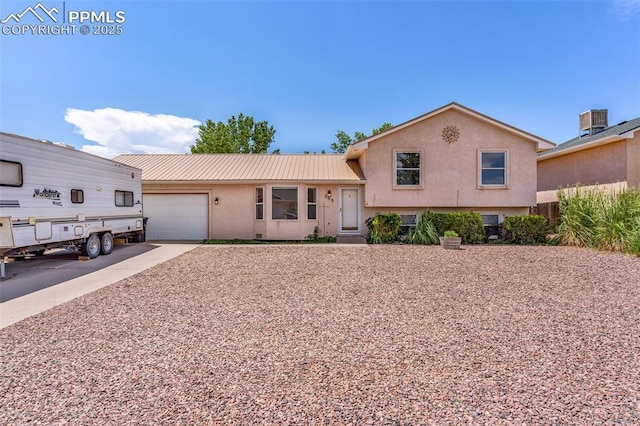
(330, 334)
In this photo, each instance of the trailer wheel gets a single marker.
(106, 243)
(91, 248)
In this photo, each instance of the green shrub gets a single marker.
(600, 219)
(526, 229)
(316, 238)
(451, 234)
(632, 243)
(469, 226)
(441, 221)
(466, 224)
(383, 228)
(424, 232)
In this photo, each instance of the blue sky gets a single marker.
(313, 68)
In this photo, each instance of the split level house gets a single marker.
(602, 155)
(450, 159)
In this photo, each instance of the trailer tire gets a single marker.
(106, 243)
(91, 248)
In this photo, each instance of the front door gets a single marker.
(349, 210)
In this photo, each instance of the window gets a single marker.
(408, 168)
(124, 199)
(491, 224)
(77, 196)
(10, 173)
(312, 203)
(493, 168)
(408, 222)
(490, 219)
(259, 203)
(284, 203)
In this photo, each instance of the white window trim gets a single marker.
(506, 168)
(256, 203)
(297, 188)
(395, 167)
(309, 203)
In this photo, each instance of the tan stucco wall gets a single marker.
(602, 164)
(633, 160)
(234, 215)
(551, 195)
(450, 171)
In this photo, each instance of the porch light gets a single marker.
(328, 196)
(215, 201)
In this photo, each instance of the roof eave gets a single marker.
(588, 145)
(354, 152)
(256, 182)
(542, 144)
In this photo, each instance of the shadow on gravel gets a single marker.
(33, 273)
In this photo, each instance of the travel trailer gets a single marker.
(52, 195)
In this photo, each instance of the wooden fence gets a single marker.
(550, 210)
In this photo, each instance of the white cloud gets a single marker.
(132, 132)
(627, 9)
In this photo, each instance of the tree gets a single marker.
(241, 134)
(343, 139)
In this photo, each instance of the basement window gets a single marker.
(408, 222)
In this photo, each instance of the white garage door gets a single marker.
(176, 216)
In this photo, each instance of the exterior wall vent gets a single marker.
(258, 236)
(593, 121)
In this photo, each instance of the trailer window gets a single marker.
(124, 199)
(77, 196)
(10, 173)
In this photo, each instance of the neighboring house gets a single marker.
(606, 156)
(450, 159)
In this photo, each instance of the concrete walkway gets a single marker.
(23, 307)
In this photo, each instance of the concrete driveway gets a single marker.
(30, 274)
(36, 284)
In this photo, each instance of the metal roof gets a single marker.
(234, 168)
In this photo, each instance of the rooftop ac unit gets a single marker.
(593, 121)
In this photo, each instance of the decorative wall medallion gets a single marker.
(450, 134)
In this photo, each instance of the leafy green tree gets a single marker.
(343, 139)
(242, 134)
(383, 128)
